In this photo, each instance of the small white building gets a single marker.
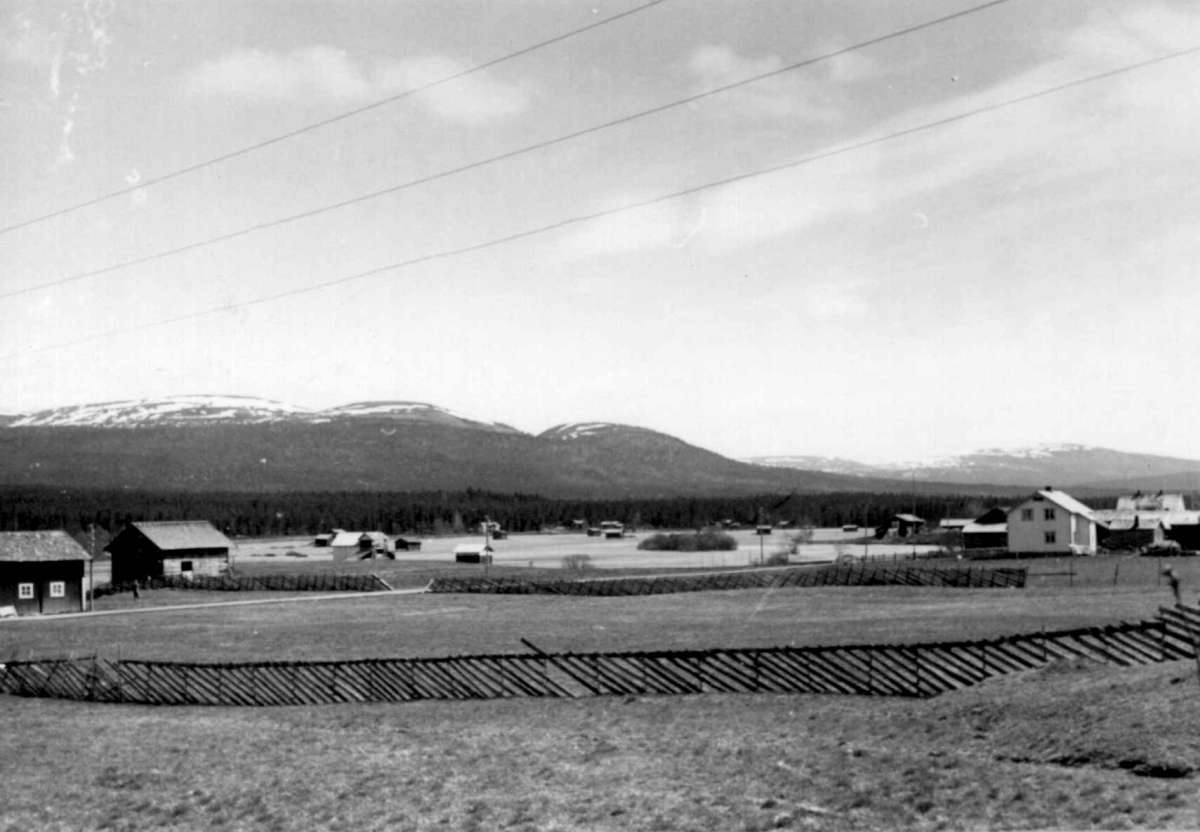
(1051, 522)
(360, 545)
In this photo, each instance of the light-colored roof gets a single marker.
(985, 528)
(346, 539)
(169, 535)
(1151, 502)
(1063, 500)
(954, 522)
(40, 546)
(909, 518)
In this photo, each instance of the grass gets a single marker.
(1068, 746)
(368, 626)
(1051, 749)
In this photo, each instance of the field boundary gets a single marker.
(858, 573)
(909, 670)
(302, 582)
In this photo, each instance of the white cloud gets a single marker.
(787, 95)
(329, 74)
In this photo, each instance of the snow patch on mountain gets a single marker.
(577, 430)
(191, 409)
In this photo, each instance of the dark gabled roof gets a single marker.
(40, 546)
(169, 535)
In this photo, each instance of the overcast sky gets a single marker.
(1021, 276)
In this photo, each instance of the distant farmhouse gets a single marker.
(1052, 522)
(183, 548)
(41, 572)
(1150, 519)
(360, 545)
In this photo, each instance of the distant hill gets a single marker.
(1059, 465)
(229, 443)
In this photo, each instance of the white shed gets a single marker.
(1052, 522)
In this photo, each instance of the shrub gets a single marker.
(699, 542)
(577, 563)
(779, 557)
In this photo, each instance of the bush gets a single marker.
(778, 558)
(577, 563)
(699, 542)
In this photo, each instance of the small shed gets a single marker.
(42, 572)
(473, 553)
(906, 524)
(361, 545)
(987, 531)
(323, 540)
(403, 545)
(170, 548)
(612, 529)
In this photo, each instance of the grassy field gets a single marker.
(1070, 746)
(1058, 748)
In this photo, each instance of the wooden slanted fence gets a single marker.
(304, 582)
(858, 573)
(913, 670)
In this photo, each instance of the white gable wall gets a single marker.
(1069, 529)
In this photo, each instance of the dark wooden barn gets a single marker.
(988, 531)
(41, 572)
(185, 548)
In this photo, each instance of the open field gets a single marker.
(546, 551)
(1056, 748)
(1069, 746)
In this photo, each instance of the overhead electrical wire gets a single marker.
(644, 203)
(542, 145)
(308, 128)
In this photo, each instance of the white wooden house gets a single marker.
(1051, 522)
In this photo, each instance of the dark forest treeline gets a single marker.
(443, 512)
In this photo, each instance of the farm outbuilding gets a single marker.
(473, 553)
(171, 548)
(1148, 520)
(1052, 522)
(361, 545)
(988, 531)
(403, 545)
(42, 572)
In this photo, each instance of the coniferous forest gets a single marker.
(444, 512)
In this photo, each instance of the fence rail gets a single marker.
(851, 574)
(912, 670)
(311, 582)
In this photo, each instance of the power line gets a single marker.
(584, 218)
(542, 145)
(328, 121)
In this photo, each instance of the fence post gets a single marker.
(1116, 571)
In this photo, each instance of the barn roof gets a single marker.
(168, 535)
(985, 528)
(40, 546)
(909, 518)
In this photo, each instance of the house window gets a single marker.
(1026, 514)
(58, 589)
(25, 592)
(185, 566)
(1051, 537)
(1049, 513)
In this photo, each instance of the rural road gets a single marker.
(288, 600)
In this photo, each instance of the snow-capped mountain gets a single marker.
(187, 410)
(1060, 465)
